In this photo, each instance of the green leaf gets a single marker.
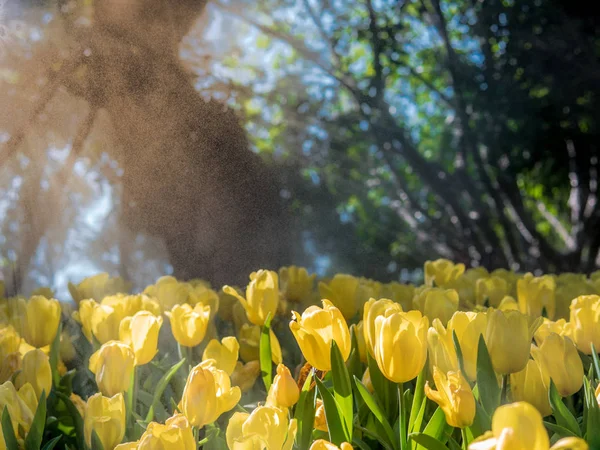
(305, 413)
(596, 362)
(354, 363)
(416, 426)
(436, 427)
(418, 398)
(385, 390)
(426, 441)
(266, 365)
(76, 417)
(342, 389)
(337, 434)
(487, 383)
(66, 382)
(377, 411)
(160, 389)
(560, 431)
(563, 416)
(33, 441)
(591, 414)
(8, 431)
(458, 350)
(54, 356)
(52, 443)
(96, 442)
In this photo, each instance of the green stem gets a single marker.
(190, 354)
(402, 417)
(504, 391)
(135, 389)
(465, 439)
(129, 402)
(196, 436)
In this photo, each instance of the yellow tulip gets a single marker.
(558, 356)
(175, 433)
(105, 322)
(442, 271)
(316, 329)
(225, 353)
(128, 446)
(267, 428)
(536, 293)
(106, 416)
(10, 341)
(358, 330)
(454, 396)
(296, 284)
(97, 287)
(284, 392)
(519, 426)
(140, 332)
(547, 327)
(583, 323)
(226, 304)
(36, 371)
(10, 364)
(21, 414)
(41, 317)
(531, 385)
(366, 380)
(322, 444)
(188, 324)
(437, 303)
(250, 344)
(399, 293)
(84, 316)
(245, 375)
(442, 353)
(342, 292)
(66, 349)
(199, 293)
(207, 394)
(508, 303)
(510, 277)
(168, 292)
(79, 403)
(401, 344)
(491, 291)
(262, 296)
(468, 326)
(508, 339)
(113, 366)
(320, 422)
(373, 309)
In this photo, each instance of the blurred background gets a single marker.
(207, 139)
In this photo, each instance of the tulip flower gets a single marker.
(267, 427)
(583, 326)
(399, 293)
(284, 392)
(105, 322)
(316, 329)
(373, 309)
(225, 353)
(454, 396)
(441, 272)
(168, 292)
(188, 324)
(245, 375)
(296, 283)
(401, 344)
(442, 353)
(106, 416)
(140, 332)
(468, 326)
(508, 304)
(128, 446)
(200, 293)
(10, 341)
(320, 422)
(41, 317)
(508, 339)
(548, 327)
(490, 291)
(531, 385)
(20, 410)
(176, 433)
(536, 294)
(437, 303)
(262, 296)
(113, 366)
(342, 292)
(207, 394)
(558, 356)
(97, 287)
(322, 444)
(519, 426)
(36, 371)
(9, 365)
(84, 316)
(359, 331)
(250, 344)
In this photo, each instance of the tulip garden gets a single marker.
(471, 360)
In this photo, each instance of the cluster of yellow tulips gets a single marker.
(470, 360)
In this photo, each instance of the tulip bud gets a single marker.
(200, 293)
(441, 272)
(262, 296)
(531, 385)
(250, 344)
(225, 353)
(583, 326)
(97, 287)
(316, 329)
(113, 366)
(41, 317)
(490, 291)
(175, 433)
(168, 292)
(536, 294)
(454, 396)
(207, 394)
(189, 325)
(284, 392)
(322, 444)
(106, 416)
(436, 303)
(442, 353)
(403, 335)
(373, 309)
(296, 283)
(245, 375)
(468, 326)
(342, 292)
(558, 356)
(140, 332)
(36, 371)
(508, 339)
(267, 427)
